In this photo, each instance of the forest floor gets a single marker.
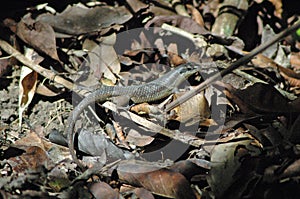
(237, 138)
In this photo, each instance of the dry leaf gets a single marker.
(31, 139)
(37, 34)
(99, 146)
(261, 98)
(158, 180)
(42, 89)
(102, 190)
(137, 5)
(196, 15)
(33, 159)
(195, 110)
(27, 84)
(175, 58)
(35, 155)
(102, 59)
(291, 76)
(143, 193)
(278, 8)
(137, 139)
(228, 164)
(295, 60)
(78, 19)
(4, 65)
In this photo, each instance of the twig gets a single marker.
(39, 69)
(36, 67)
(182, 137)
(197, 39)
(232, 67)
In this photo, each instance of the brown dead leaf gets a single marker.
(32, 139)
(103, 59)
(137, 5)
(228, 167)
(37, 34)
(35, 155)
(102, 190)
(34, 158)
(145, 8)
(262, 98)
(293, 170)
(143, 193)
(191, 167)
(175, 58)
(143, 108)
(159, 11)
(42, 89)
(137, 139)
(27, 84)
(291, 76)
(278, 8)
(55, 153)
(160, 181)
(196, 15)
(295, 60)
(78, 19)
(195, 110)
(6, 62)
(3, 66)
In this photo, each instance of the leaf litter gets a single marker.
(246, 148)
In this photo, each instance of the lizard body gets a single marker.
(151, 91)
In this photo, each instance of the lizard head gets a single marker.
(188, 69)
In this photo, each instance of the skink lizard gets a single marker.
(151, 91)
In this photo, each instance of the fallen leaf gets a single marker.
(143, 193)
(42, 89)
(262, 98)
(102, 59)
(137, 139)
(137, 5)
(35, 154)
(195, 110)
(78, 19)
(291, 76)
(37, 34)
(191, 167)
(278, 8)
(295, 60)
(4, 66)
(196, 15)
(27, 84)
(32, 159)
(160, 181)
(102, 190)
(99, 146)
(228, 165)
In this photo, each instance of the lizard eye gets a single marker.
(187, 69)
(190, 67)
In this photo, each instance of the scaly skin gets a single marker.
(154, 90)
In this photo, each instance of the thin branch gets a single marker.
(233, 66)
(182, 137)
(36, 67)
